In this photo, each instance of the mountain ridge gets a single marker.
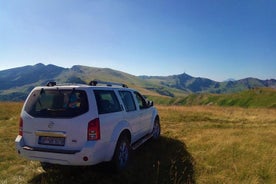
(17, 82)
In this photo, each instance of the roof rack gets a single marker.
(95, 83)
(51, 83)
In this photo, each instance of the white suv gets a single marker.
(85, 124)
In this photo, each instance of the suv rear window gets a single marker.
(56, 103)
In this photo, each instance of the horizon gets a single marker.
(229, 79)
(218, 40)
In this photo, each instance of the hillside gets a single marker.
(16, 83)
(257, 97)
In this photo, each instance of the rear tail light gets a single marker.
(20, 127)
(93, 130)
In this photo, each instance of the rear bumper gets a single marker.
(93, 152)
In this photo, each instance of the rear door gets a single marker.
(110, 111)
(131, 114)
(56, 118)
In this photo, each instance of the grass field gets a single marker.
(199, 144)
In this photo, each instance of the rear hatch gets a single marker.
(56, 119)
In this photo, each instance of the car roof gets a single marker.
(105, 85)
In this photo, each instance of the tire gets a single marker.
(47, 166)
(156, 129)
(121, 154)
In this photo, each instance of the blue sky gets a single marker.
(217, 39)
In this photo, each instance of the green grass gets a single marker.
(258, 97)
(199, 144)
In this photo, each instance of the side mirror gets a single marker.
(150, 103)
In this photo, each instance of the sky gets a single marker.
(216, 39)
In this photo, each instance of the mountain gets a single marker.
(191, 84)
(16, 83)
(28, 75)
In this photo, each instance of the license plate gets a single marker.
(54, 141)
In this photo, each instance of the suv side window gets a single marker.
(141, 101)
(128, 100)
(107, 101)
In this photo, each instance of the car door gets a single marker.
(145, 113)
(131, 114)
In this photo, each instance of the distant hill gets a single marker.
(191, 84)
(16, 83)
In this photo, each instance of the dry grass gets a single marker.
(229, 145)
(202, 144)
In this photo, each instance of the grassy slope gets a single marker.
(88, 74)
(262, 97)
(202, 144)
(259, 97)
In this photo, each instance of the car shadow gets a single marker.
(165, 160)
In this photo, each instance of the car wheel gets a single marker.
(156, 129)
(47, 166)
(122, 153)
